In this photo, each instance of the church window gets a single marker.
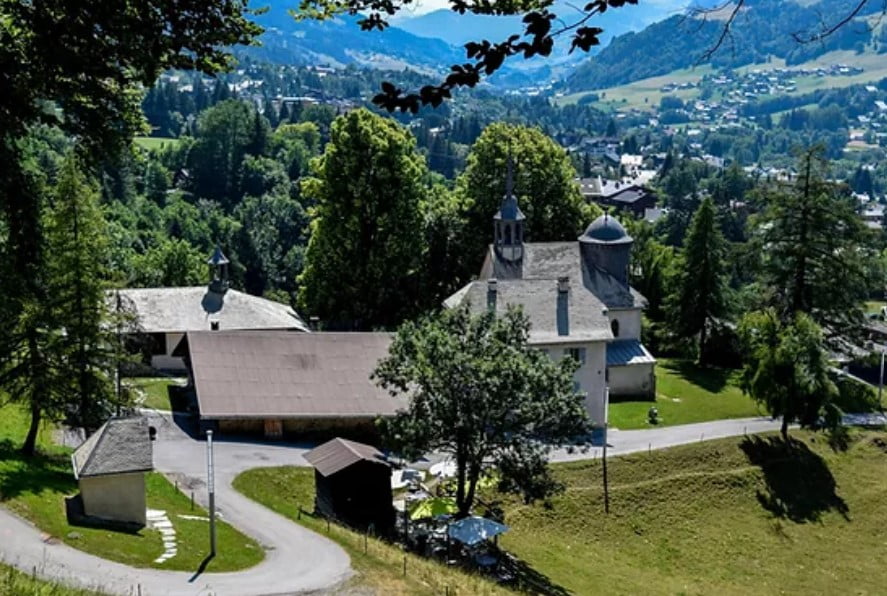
(614, 326)
(577, 354)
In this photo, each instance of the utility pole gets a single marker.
(117, 347)
(604, 458)
(881, 382)
(210, 483)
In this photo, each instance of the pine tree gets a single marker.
(76, 256)
(700, 293)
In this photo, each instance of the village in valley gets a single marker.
(274, 325)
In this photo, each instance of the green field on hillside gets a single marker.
(687, 393)
(152, 143)
(733, 516)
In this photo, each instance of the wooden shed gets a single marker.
(353, 484)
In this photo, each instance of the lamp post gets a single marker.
(604, 458)
(210, 484)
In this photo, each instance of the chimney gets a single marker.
(563, 305)
(314, 323)
(492, 291)
(214, 325)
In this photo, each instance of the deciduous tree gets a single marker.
(478, 392)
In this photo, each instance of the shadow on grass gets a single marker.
(525, 579)
(711, 379)
(800, 487)
(32, 475)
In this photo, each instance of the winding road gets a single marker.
(297, 560)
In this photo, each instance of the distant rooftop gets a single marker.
(120, 446)
(170, 310)
(338, 454)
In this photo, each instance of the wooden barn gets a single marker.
(353, 484)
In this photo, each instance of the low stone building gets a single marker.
(110, 469)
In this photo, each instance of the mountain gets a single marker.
(762, 30)
(340, 41)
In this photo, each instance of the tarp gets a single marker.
(434, 507)
(474, 529)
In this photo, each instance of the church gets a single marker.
(578, 300)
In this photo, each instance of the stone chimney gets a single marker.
(492, 293)
(563, 305)
(214, 325)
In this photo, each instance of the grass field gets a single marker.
(16, 583)
(152, 143)
(35, 489)
(153, 392)
(734, 516)
(380, 567)
(686, 393)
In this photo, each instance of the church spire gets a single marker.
(508, 223)
(218, 269)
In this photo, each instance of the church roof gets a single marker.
(551, 260)
(579, 316)
(170, 310)
(605, 230)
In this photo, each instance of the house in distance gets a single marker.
(165, 315)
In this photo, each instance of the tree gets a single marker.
(480, 393)
(544, 182)
(171, 263)
(700, 294)
(76, 248)
(787, 368)
(816, 254)
(362, 263)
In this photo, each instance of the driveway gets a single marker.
(296, 560)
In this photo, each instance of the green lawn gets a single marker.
(153, 392)
(686, 393)
(733, 516)
(16, 583)
(35, 489)
(154, 143)
(380, 568)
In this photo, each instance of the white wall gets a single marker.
(590, 376)
(167, 361)
(629, 322)
(632, 380)
(118, 497)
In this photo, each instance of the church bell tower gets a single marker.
(508, 223)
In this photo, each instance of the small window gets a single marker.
(614, 325)
(577, 354)
(577, 387)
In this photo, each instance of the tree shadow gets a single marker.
(518, 574)
(32, 475)
(711, 379)
(800, 487)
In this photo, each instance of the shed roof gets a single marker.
(277, 374)
(628, 352)
(337, 454)
(119, 446)
(170, 310)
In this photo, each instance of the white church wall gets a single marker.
(635, 380)
(629, 322)
(590, 377)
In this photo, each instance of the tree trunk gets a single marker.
(702, 334)
(30, 445)
(461, 503)
(784, 429)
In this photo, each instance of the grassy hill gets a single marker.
(735, 516)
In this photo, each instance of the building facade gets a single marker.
(578, 300)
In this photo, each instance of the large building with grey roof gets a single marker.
(578, 300)
(165, 315)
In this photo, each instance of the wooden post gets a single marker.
(404, 564)
(210, 477)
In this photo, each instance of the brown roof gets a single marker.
(278, 374)
(338, 454)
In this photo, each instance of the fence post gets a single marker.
(327, 525)
(364, 542)
(404, 564)
(192, 500)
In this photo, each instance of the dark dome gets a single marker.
(605, 229)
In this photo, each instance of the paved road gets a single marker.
(298, 560)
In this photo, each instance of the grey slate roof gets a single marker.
(577, 318)
(168, 310)
(606, 230)
(277, 374)
(337, 454)
(120, 446)
(628, 352)
(551, 260)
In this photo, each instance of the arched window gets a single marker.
(614, 326)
